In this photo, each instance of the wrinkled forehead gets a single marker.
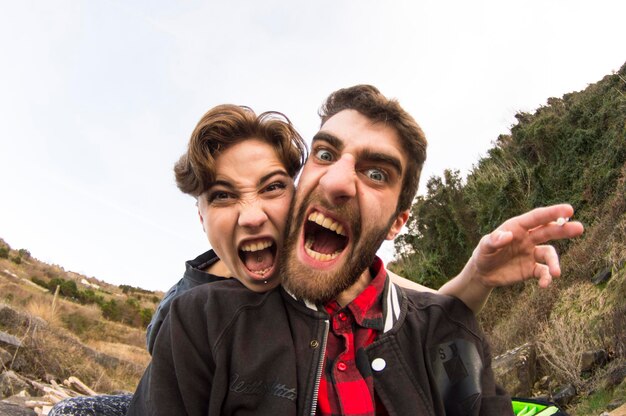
(350, 131)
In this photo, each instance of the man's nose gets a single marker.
(252, 215)
(339, 181)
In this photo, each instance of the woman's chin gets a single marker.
(260, 282)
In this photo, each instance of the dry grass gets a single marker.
(125, 352)
(51, 351)
(571, 331)
(44, 309)
(526, 310)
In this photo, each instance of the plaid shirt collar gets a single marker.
(367, 307)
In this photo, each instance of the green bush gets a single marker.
(4, 252)
(77, 323)
(571, 150)
(39, 282)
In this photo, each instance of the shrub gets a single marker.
(39, 282)
(77, 322)
(111, 310)
(4, 252)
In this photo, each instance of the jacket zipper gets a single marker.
(318, 376)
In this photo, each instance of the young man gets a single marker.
(339, 338)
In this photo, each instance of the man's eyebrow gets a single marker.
(385, 158)
(334, 141)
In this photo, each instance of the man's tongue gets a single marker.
(258, 260)
(327, 242)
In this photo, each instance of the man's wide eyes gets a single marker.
(323, 154)
(376, 175)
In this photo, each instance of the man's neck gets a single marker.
(348, 295)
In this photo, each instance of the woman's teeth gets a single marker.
(256, 246)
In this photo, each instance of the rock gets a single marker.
(516, 370)
(590, 360)
(564, 395)
(543, 383)
(5, 358)
(615, 377)
(614, 404)
(8, 316)
(9, 340)
(11, 383)
(602, 276)
(9, 409)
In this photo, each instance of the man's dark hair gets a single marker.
(368, 101)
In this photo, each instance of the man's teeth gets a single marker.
(328, 223)
(256, 246)
(318, 256)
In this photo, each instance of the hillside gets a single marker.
(56, 324)
(572, 150)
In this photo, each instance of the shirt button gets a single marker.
(378, 364)
(314, 343)
(342, 316)
(341, 366)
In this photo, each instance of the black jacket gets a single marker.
(263, 356)
(194, 276)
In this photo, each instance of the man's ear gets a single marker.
(397, 224)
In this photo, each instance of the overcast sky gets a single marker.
(98, 99)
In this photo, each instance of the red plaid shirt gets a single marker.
(347, 385)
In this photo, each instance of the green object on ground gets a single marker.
(529, 407)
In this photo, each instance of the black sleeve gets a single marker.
(180, 376)
(159, 315)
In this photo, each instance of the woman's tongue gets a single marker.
(259, 260)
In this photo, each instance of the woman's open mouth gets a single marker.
(258, 256)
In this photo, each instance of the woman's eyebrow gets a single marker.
(220, 182)
(280, 172)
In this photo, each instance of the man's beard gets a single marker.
(319, 286)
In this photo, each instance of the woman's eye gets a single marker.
(376, 175)
(219, 196)
(323, 154)
(276, 186)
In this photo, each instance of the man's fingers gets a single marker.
(544, 215)
(542, 273)
(498, 239)
(546, 255)
(553, 231)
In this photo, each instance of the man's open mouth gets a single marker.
(258, 256)
(324, 238)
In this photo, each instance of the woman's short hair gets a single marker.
(227, 125)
